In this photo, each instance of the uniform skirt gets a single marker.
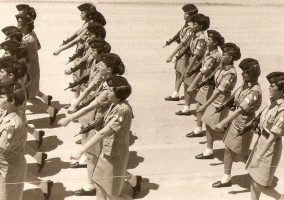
(34, 73)
(203, 94)
(110, 173)
(181, 65)
(239, 145)
(263, 175)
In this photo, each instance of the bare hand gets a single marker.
(71, 108)
(219, 126)
(201, 109)
(169, 59)
(57, 52)
(67, 71)
(63, 122)
(76, 155)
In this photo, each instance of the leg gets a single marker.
(208, 154)
(46, 98)
(44, 186)
(198, 130)
(254, 192)
(178, 82)
(38, 156)
(101, 193)
(120, 197)
(38, 135)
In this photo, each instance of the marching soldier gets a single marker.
(13, 166)
(225, 80)
(26, 25)
(209, 65)
(247, 100)
(266, 154)
(183, 37)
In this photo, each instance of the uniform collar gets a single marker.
(280, 101)
(252, 83)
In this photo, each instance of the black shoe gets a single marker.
(49, 98)
(53, 118)
(219, 184)
(77, 165)
(170, 98)
(42, 163)
(49, 186)
(201, 156)
(83, 192)
(184, 113)
(78, 142)
(39, 142)
(137, 188)
(192, 134)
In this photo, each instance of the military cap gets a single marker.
(86, 7)
(10, 29)
(20, 52)
(96, 16)
(7, 61)
(248, 63)
(16, 36)
(22, 7)
(9, 87)
(232, 49)
(117, 81)
(201, 20)
(275, 77)
(97, 29)
(24, 18)
(9, 45)
(111, 58)
(216, 36)
(190, 9)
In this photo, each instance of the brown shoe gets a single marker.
(202, 157)
(219, 184)
(170, 98)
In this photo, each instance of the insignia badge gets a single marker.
(120, 119)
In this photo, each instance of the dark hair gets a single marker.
(19, 70)
(18, 96)
(201, 20)
(122, 92)
(237, 55)
(30, 26)
(280, 85)
(114, 62)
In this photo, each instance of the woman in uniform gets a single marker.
(209, 65)
(225, 80)
(185, 35)
(109, 173)
(13, 166)
(266, 154)
(26, 25)
(247, 100)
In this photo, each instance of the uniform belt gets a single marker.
(248, 114)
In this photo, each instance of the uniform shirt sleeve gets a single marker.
(187, 36)
(200, 48)
(120, 118)
(226, 83)
(208, 66)
(5, 138)
(278, 125)
(31, 46)
(250, 100)
(102, 99)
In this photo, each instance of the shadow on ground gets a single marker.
(49, 143)
(134, 160)
(52, 166)
(42, 123)
(58, 191)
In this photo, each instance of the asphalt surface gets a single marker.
(160, 151)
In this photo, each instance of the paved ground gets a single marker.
(161, 153)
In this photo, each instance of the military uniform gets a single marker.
(248, 98)
(225, 80)
(209, 64)
(110, 170)
(12, 161)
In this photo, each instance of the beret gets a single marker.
(22, 7)
(9, 45)
(20, 51)
(248, 63)
(111, 58)
(216, 36)
(274, 77)
(10, 29)
(86, 7)
(8, 87)
(97, 29)
(190, 9)
(96, 16)
(117, 81)
(16, 36)
(228, 47)
(6, 62)
(24, 18)
(201, 20)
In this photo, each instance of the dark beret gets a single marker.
(24, 18)
(10, 29)
(275, 77)
(7, 61)
(97, 42)
(117, 81)
(111, 58)
(216, 36)
(248, 63)
(86, 7)
(232, 49)
(22, 7)
(96, 16)
(9, 45)
(97, 29)
(190, 9)
(31, 12)
(20, 51)
(201, 20)
(16, 36)
(8, 87)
